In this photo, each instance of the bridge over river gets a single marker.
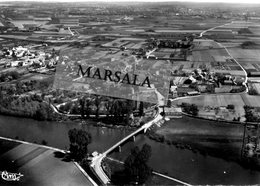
(96, 160)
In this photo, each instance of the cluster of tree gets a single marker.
(237, 90)
(25, 86)
(248, 44)
(150, 30)
(236, 118)
(44, 112)
(79, 141)
(174, 44)
(244, 31)
(190, 108)
(12, 75)
(31, 106)
(120, 110)
(231, 107)
(61, 96)
(136, 169)
(252, 91)
(136, 166)
(220, 77)
(249, 114)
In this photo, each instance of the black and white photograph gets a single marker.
(129, 92)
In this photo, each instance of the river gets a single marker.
(182, 164)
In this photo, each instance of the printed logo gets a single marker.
(8, 176)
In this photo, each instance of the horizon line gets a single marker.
(139, 1)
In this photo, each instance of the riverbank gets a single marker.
(220, 121)
(55, 134)
(216, 139)
(115, 167)
(39, 165)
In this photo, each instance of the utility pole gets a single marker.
(250, 151)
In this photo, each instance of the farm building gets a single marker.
(173, 112)
(69, 22)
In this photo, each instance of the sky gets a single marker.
(211, 1)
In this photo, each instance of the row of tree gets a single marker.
(116, 110)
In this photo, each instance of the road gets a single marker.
(203, 32)
(246, 78)
(221, 46)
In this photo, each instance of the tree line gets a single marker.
(117, 111)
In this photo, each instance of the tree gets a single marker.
(141, 109)
(169, 103)
(82, 106)
(108, 106)
(88, 109)
(128, 110)
(42, 112)
(248, 44)
(230, 107)
(97, 103)
(244, 31)
(190, 108)
(252, 91)
(79, 141)
(136, 167)
(194, 109)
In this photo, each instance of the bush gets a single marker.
(190, 108)
(248, 44)
(230, 107)
(252, 92)
(44, 142)
(9, 75)
(244, 31)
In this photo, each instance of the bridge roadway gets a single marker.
(96, 161)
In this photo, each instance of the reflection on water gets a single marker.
(182, 164)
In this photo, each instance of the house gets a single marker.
(173, 112)
(228, 82)
(69, 22)
(193, 93)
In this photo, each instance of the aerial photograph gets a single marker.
(129, 92)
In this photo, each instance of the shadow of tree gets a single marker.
(66, 157)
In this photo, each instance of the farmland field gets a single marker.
(209, 50)
(253, 101)
(222, 101)
(239, 53)
(248, 58)
(213, 56)
(257, 87)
